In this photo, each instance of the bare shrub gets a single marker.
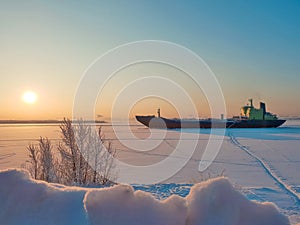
(47, 167)
(80, 159)
(41, 163)
(33, 161)
(102, 158)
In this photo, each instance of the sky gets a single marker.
(252, 47)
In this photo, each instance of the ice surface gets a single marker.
(277, 148)
(214, 202)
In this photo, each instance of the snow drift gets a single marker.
(214, 202)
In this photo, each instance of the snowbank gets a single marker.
(215, 202)
(25, 201)
(120, 205)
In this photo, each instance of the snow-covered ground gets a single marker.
(263, 164)
(28, 202)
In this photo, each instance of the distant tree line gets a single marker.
(80, 157)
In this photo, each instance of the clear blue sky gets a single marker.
(252, 47)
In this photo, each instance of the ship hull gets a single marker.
(161, 123)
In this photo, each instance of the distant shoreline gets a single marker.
(86, 121)
(290, 118)
(43, 121)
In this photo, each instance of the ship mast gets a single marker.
(251, 102)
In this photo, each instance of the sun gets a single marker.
(29, 97)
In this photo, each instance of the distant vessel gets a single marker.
(250, 117)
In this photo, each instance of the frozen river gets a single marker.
(263, 163)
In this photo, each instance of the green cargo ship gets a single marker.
(250, 117)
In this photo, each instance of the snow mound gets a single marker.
(25, 201)
(215, 202)
(120, 205)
